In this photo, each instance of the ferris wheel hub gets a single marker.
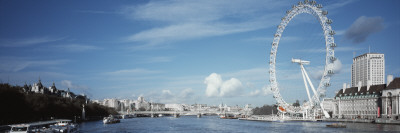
(303, 62)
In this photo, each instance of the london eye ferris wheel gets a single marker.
(314, 94)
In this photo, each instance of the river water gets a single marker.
(192, 124)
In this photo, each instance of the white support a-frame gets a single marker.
(307, 82)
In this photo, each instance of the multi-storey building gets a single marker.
(142, 104)
(369, 69)
(130, 105)
(113, 103)
(368, 102)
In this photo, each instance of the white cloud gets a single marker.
(346, 49)
(158, 59)
(255, 93)
(96, 12)
(168, 96)
(15, 64)
(266, 90)
(183, 20)
(271, 38)
(77, 47)
(250, 74)
(336, 69)
(135, 71)
(187, 93)
(231, 87)
(179, 11)
(196, 19)
(68, 84)
(337, 49)
(188, 31)
(29, 77)
(80, 88)
(214, 82)
(338, 4)
(29, 41)
(339, 32)
(217, 87)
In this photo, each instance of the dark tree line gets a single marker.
(265, 110)
(297, 103)
(19, 107)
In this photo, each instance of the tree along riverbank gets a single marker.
(19, 107)
(265, 110)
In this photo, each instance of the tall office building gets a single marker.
(368, 67)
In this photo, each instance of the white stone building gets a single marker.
(113, 103)
(141, 103)
(329, 105)
(38, 87)
(53, 89)
(175, 107)
(368, 102)
(127, 104)
(369, 67)
(391, 99)
(157, 106)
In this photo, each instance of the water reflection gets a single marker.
(193, 124)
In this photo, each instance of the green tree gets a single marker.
(297, 103)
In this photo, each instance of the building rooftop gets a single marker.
(365, 54)
(395, 84)
(363, 90)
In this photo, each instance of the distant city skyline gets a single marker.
(209, 52)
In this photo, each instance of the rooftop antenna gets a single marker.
(369, 49)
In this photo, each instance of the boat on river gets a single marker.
(53, 126)
(228, 116)
(336, 125)
(64, 126)
(128, 116)
(110, 120)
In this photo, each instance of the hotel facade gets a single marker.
(368, 68)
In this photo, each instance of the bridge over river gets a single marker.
(187, 112)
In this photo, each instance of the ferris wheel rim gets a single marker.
(315, 10)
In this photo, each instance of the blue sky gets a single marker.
(186, 51)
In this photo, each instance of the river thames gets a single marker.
(185, 124)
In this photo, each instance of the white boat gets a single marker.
(53, 126)
(110, 120)
(64, 126)
(124, 116)
(27, 128)
(128, 116)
